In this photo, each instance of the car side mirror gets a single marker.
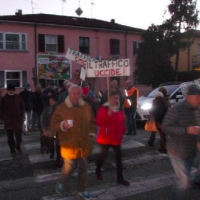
(179, 96)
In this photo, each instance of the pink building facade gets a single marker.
(24, 37)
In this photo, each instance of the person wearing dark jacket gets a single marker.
(46, 129)
(130, 107)
(160, 106)
(37, 107)
(181, 125)
(28, 98)
(158, 111)
(50, 90)
(12, 112)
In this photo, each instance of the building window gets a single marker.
(136, 46)
(114, 46)
(84, 45)
(16, 77)
(51, 43)
(13, 41)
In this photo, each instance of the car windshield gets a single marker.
(169, 88)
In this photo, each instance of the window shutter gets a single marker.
(135, 47)
(41, 43)
(61, 45)
(2, 79)
(114, 46)
(24, 77)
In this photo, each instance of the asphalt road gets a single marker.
(32, 176)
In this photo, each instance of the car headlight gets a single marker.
(146, 106)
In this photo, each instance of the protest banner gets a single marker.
(78, 57)
(53, 67)
(83, 74)
(108, 68)
(95, 68)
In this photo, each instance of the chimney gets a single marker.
(19, 12)
(112, 21)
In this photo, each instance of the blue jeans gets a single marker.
(182, 169)
(130, 120)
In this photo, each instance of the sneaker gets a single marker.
(60, 190)
(99, 175)
(134, 132)
(13, 153)
(150, 143)
(123, 181)
(19, 151)
(51, 156)
(84, 194)
(25, 132)
(128, 133)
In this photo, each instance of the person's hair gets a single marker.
(159, 94)
(54, 97)
(163, 90)
(74, 86)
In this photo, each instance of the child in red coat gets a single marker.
(110, 120)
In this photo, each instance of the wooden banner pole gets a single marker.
(108, 88)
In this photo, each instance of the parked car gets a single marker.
(174, 90)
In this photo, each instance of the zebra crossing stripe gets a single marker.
(143, 159)
(116, 191)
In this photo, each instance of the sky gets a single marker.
(134, 13)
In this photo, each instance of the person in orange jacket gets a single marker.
(130, 107)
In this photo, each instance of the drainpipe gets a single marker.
(36, 69)
(126, 50)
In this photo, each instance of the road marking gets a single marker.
(40, 178)
(116, 191)
(143, 159)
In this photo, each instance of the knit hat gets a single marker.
(193, 89)
(85, 90)
(11, 87)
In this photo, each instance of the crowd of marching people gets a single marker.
(72, 119)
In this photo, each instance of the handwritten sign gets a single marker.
(78, 57)
(109, 68)
(83, 74)
(104, 68)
